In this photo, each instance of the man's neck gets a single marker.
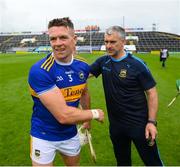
(119, 54)
(64, 61)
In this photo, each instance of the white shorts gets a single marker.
(43, 151)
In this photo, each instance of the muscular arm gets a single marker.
(152, 98)
(55, 103)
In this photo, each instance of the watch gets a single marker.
(154, 122)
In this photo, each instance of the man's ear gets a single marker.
(75, 39)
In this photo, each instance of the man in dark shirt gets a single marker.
(127, 81)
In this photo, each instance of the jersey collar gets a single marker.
(64, 64)
(120, 59)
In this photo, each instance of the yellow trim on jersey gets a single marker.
(70, 94)
(31, 145)
(51, 64)
(32, 92)
(80, 59)
(48, 63)
(73, 93)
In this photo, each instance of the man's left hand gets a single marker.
(150, 131)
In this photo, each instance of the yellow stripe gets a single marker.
(70, 94)
(32, 92)
(46, 61)
(81, 59)
(31, 146)
(73, 93)
(50, 64)
(47, 64)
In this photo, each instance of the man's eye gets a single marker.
(63, 37)
(52, 38)
(112, 42)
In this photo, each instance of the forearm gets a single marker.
(70, 115)
(75, 115)
(85, 105)
(152, 103)
(151, 130)
(55, 103)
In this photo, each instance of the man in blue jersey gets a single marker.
(127, 81)
(57, 85)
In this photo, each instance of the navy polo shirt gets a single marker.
(125, 81)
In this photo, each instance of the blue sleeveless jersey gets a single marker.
(70, 79)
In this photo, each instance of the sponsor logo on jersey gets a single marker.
(69, 72)
(123, 73)
(73, 93)
(106, 68)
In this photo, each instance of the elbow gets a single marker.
(63, 119)
(64, 116)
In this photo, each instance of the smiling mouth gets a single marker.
(60, 50)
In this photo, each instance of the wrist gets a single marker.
(95, 113)
(152, 121)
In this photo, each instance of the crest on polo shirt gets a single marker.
(123, 73)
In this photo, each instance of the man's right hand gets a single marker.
(98, 114)
(101, 115)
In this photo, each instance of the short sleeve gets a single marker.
(146, 79)
(86, 69)
(40, 80)
(96, 68)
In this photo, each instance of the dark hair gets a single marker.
(65, 21)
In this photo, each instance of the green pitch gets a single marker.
(16, 109)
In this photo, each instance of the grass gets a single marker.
(16, 110)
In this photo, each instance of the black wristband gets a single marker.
(154, 122)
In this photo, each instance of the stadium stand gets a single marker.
(147, 41)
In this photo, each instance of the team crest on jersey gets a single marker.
(81, 75)
(123, 73)
(37, 153)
